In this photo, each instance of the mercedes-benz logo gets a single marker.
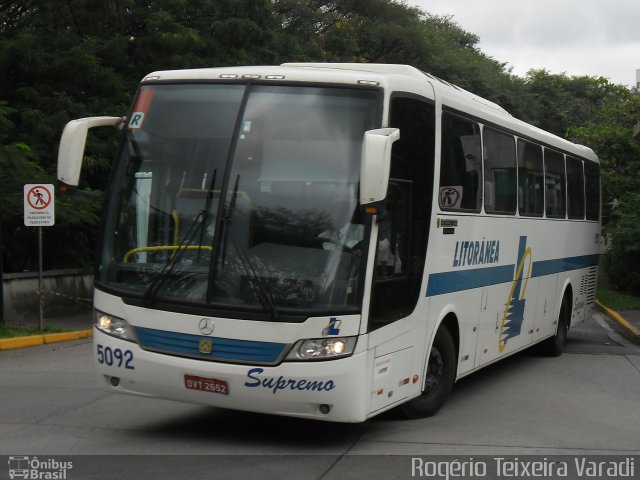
(206, 326)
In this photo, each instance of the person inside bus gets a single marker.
(342, 236)
(388, 261)
(390, 229)
(342, 232)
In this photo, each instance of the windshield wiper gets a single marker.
(160, 278)
(198, 225)
(263, 292)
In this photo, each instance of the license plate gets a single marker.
(206, 384)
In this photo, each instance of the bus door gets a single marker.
(397, 328)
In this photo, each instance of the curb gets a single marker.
(619, 320)
(35, 340)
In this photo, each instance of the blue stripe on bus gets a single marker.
(449, 282)
(548, 267)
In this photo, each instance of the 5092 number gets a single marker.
(115, 357)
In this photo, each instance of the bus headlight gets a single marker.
(114, 326)
(322, 348)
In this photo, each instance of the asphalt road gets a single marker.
(585, 402)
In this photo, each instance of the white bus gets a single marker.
(330, 241)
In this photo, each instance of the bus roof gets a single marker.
(392, 77)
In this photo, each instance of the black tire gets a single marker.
(554, 346)
(440, 376)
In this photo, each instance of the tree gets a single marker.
(609, 131)
(76, 217)
(65, 60)
(623, 258)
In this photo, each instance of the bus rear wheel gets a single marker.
(554, 346)
(440, 376)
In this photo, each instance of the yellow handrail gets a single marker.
(165, 248)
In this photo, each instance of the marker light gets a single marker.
(322, 348)
(368, 82)
(114, 326)
(368, 210)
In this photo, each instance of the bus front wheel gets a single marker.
(440, 376)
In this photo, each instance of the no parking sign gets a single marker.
(39, 205)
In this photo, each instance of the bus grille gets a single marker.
(221, 349)
(588, 285)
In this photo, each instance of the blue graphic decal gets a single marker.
(513, 314)
(333, 328)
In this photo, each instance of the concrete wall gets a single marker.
(61, 287)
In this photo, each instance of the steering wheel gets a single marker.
(319, 241)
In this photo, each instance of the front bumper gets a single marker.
(335, 390)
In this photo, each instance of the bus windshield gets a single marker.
(240, 197)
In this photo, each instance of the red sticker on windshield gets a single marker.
(141, 108)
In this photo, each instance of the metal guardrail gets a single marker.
(23, 294)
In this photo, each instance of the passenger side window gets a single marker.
(575, 188)
(499, 172)
(530, 179)
(460, 164)
(554, 184)
(592, 185)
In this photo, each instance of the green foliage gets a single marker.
(66, 60)
(76, 217)
(13, 332)
(601, 115)
(608, 130)
(616, 300)
(622, 261)
(556, 102)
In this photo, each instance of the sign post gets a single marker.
(39, 211)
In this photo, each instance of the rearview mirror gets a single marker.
(72, 144)
(376, 164)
